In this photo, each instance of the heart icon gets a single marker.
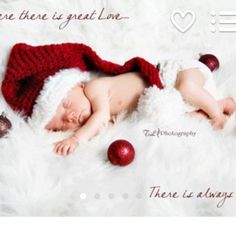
(183, 17)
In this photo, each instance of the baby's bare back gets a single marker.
(123, 91)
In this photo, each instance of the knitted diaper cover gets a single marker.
(170, 68)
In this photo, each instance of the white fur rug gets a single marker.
(36, 182)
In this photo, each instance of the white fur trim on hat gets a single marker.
(54, 90)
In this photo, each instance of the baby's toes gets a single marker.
(223, 121)
(219, 123)
(230, 106)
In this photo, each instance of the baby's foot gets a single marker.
(227, 105)
(219, 121)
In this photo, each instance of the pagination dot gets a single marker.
(213, 13)
(83, 196)
(139, 195)
(213, 21)
(97, 196)
(213, 30)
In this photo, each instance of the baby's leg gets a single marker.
(190, 83)
(227, 106)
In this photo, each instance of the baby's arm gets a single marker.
(97, 94)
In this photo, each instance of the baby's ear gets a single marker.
(81, 85)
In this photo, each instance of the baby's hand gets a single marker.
(66, 146)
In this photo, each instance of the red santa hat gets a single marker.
(33, 87)
(55, 88)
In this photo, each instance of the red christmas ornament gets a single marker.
(121, 152)
(210, 61)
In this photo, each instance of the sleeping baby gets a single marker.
(91, 106)
(60, 87)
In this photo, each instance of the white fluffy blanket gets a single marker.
(188, 156)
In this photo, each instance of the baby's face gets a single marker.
(72, 112)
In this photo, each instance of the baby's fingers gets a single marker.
(57, 147)
(65, 150)
(61, 149)
(71, 149)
